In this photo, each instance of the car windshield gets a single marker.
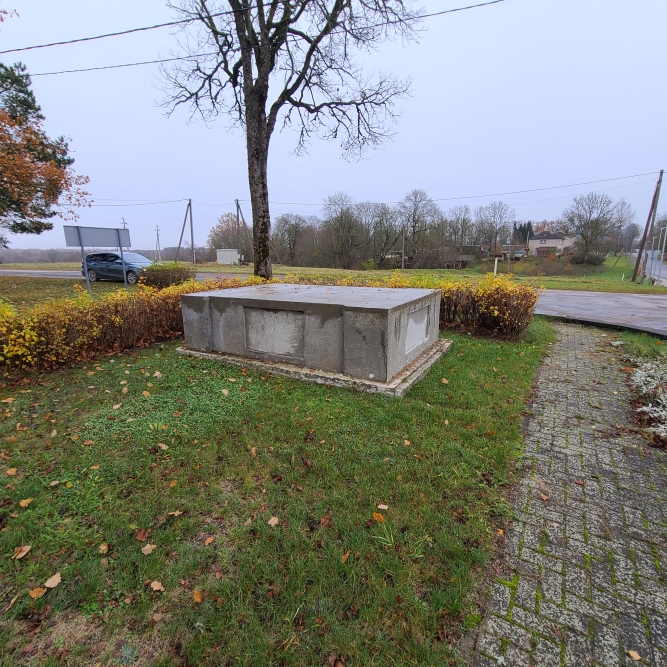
(135, 258)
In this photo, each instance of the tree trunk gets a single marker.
(257, 144)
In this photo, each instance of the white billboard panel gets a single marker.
(100, 237)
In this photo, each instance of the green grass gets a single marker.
(243, 448)
(642, 345)
(25, 293)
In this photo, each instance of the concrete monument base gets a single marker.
(397, 387)
(366, 333)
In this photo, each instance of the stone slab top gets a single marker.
(350, 298)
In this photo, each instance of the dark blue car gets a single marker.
(109, 266)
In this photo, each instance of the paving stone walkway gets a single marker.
(586, 559)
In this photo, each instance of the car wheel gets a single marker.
(92, 276)
(132, 277)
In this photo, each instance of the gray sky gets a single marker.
(519, 95)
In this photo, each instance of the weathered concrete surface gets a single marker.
(363, 332)
(397, 386)
(585, 578)
(644, 312)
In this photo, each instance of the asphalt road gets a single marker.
(645, 312)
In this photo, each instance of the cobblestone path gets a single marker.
(586, 558)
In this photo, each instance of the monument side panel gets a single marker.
(324, 337)
(274, 333)
(365, 344)
(227, 326)
(196, 322)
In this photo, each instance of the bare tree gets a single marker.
(417, 212)
(289, 228)
(461, 226)
(240, 51)
(592, 217)
(227, 234)
(495, 222)
(343, 229)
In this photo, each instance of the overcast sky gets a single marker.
(519, 95)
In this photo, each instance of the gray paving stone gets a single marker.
(592, 560)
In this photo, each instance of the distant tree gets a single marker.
(545, 227)
(37, 180)
(593, 218)
(289, 228)
(417, 212)
(291, 64)
(624, 217)
(495, 222)
(460, 225)
(524, 230)
(343, 230)
(630, 234)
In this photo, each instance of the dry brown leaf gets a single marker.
(173, 482)
(55, 482)
(325, 522)
(148, 549)
(103, 548)
(157, 586)
(406, 442)
(544, 497)
(94, 467)
(7, 400)
(634, 655)
(142, 534)
(176, 513)
(54, 433)
(11, 472)
(273, 521)
(124, 390)
(26, 502)
(10, 605)
(579, 482)
(88, 442)
(209, 540)
(383, 507)
(446, 422)
(157, 617)
(115, 407)
(162, 446)
(197, 596)
(53, 581)
(225, 392)
(37, 592)
(146, 393)
(501, 531)
(345, 556)
(253, 451)
(19, 552)
(247, 522)
(157, 375)
(379, 517)
(445, 381)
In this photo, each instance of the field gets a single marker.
(197, 513)
(610, 280)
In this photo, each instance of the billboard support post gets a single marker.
(83, 262)
(122, 258)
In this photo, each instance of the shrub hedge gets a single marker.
(164, 275)
(65, 331)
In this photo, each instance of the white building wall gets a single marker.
(228, 256)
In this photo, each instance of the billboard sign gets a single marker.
(99, 237)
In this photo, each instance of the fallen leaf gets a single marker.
(445, 381)
(253, 451)
(146, 393)
(383, 507)
(157, 617)
(325, 522)
(157, 586)
(53, 581)
(26, 502)
(103, 548)
(37, 592)
(379, 517)
(94, 467)
(10, 605)
(173, 482)
(161, 445)
(446, 422)
(345, 556)
(115, 407)
(149, 384)
(88, 442)
(544, 497)
(501, 531)
(197, 596)
(148, 549)
(406, 442)
(273, 521)
(176, 513)
(157, 375)
(142, 534)
(7, 400)
(54, 433)
(634, 655)
(55, 482)
(225, 392)
(579, 482)
(75, 437)
(209, 540)
(247, 522)
(19, 552)
(124, 390)
(11, 472)
(69, 485)
(9, 438)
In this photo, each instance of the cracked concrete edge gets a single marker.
(398, 387)
(618, 326)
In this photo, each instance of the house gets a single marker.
(548, 243)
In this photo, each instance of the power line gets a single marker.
(493, 194)
(172, 23)
(147, 203)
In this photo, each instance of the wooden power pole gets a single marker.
(649, 226)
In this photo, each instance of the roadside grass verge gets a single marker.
(336, 575)
(24, 293)
(642, 345)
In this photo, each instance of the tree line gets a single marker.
(352, 235)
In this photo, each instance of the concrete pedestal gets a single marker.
(360, 332)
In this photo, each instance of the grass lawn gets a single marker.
(201, 514)
(24, 293)
(607, 281)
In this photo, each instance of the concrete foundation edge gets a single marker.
(398, 387)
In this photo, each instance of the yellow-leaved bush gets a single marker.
(64, 331)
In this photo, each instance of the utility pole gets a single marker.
(649, 226)
(124, 223)
(403, 253)
(238, 230)
(185, 219)
(158, 254)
